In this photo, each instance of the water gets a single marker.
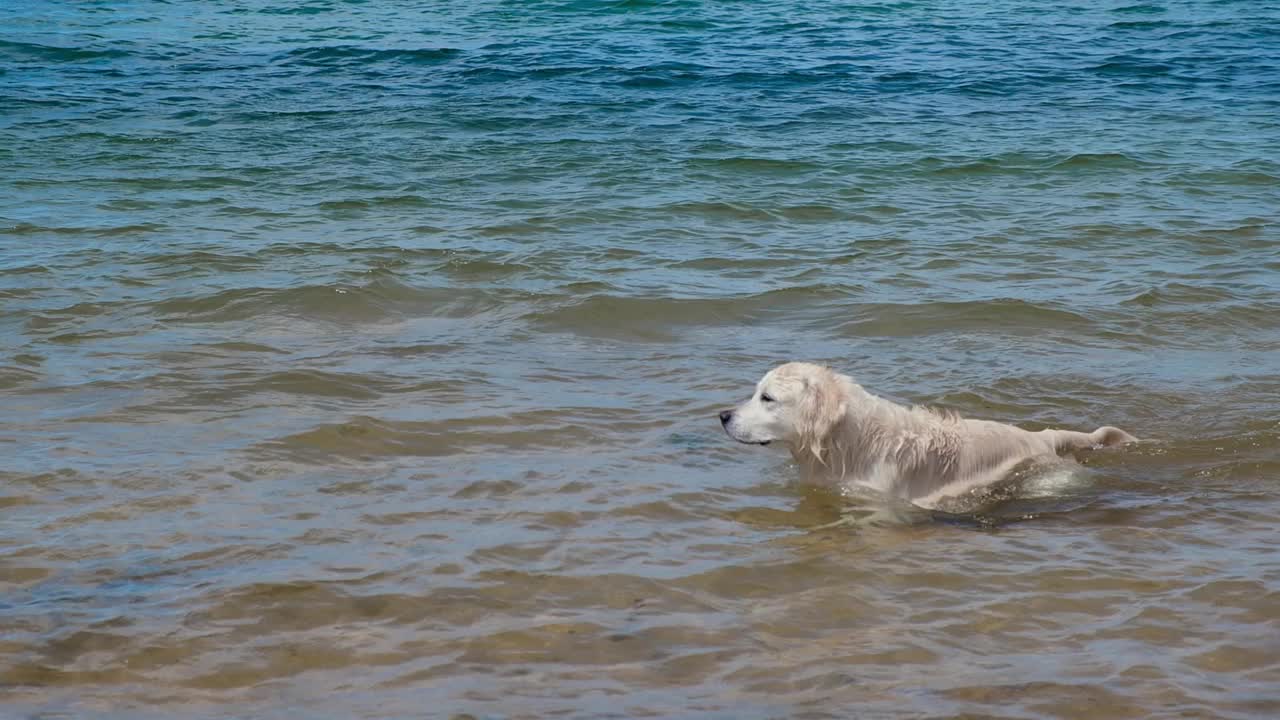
(361, 361)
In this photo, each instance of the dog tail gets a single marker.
(1108, 436)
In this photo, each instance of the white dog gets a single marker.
(840, 433)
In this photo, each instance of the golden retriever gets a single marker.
(840, 433)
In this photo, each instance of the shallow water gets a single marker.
(362, 361)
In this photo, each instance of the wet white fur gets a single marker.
(840, 433)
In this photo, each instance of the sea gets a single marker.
(361, 359)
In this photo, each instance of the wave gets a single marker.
(370, 203)
(1132, 66)
(20, 51)
(1172, 294)
(107, 231)
(330, 56)
(364, 438)
(904, 320)
(1028, 162)
(661, 318)
(381, 300)
(12, 376)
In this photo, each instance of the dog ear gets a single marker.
(822, 407)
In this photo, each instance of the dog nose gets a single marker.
(725, 416)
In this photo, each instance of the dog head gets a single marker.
(797, 403)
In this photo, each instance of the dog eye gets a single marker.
(766, 397)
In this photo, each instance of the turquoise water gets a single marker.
(361, 358)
